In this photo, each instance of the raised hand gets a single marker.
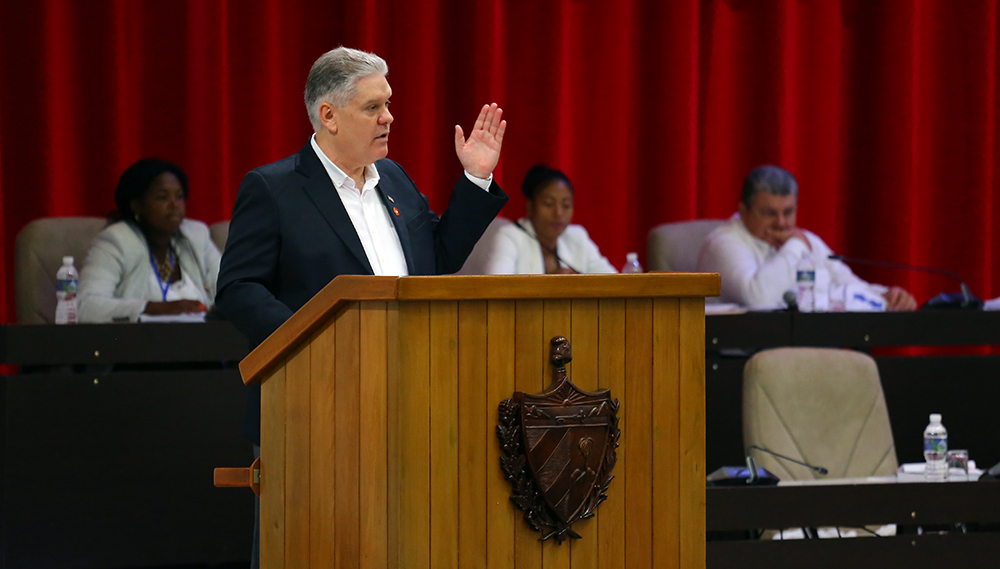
(481, 151)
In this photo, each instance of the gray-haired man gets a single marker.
(756, 252)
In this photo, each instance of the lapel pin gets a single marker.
(390, 199)
(395, 211)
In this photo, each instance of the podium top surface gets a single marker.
(352, 288)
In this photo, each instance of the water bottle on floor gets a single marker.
(632, 264)
(67, 282)
(935, 450)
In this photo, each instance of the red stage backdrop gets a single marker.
(885, 111)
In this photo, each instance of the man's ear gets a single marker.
(328, 117)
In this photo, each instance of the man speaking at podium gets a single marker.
(339, 206)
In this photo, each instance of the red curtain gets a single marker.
(884, 110)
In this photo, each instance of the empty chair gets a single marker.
(675, 246)
(38, 253)
(822, 406)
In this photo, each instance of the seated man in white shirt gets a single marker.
(757, 250)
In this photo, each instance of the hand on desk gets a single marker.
(899, 300)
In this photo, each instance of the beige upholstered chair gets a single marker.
(219, 232)
(821, 406)
(38, 253)
(476, 263)
(675, 246)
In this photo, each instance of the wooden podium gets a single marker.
(379, 412)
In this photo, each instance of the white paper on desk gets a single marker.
(789, 534)
(914, 472)
(861, 299)
(167, 318)
(723, 308)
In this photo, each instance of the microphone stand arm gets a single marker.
(966, 293)
(818, 469)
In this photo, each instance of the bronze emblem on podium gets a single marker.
(558, 450)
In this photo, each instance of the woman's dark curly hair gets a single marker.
(136, 179)
(540, 176)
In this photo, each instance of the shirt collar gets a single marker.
(337, 176)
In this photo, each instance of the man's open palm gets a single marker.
(481, 151)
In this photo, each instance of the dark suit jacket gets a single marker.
(290, 235)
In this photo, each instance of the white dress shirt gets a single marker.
(756, 275)
(371, 218)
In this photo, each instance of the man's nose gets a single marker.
(386, 117)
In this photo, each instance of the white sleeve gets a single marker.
(503, 257)
(211, 258)
(839, 271)
(102, 272)
(594, 262)
(743, 280)
(483, 183)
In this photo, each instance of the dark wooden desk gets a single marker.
(94, 344)
(110, 465)
(976, 505)
(963, 387)
(106, 467)
(852, 329)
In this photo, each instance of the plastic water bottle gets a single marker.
(67, 282)
(805, 283)
(838, 297)
(821, 289)
(632, 264)
(935, 450)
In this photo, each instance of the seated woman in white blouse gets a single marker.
(152, 260)
(544, 241)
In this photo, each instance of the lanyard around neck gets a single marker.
(164, 286)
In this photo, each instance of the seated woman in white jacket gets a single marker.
(153, 260)
(544, 241)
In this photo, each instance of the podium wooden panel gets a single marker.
(379, 406)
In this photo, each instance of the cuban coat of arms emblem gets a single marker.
(559, 448)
